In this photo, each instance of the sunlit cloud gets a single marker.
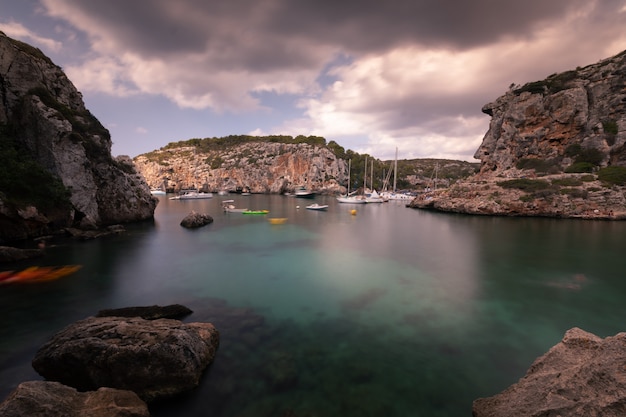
(18, 31)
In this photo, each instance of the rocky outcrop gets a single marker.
(52, 399)
(43, 120)
(552, 120)
(153, 358)
(555, 148)
(194, 220)
(583, 375)
(260, 166)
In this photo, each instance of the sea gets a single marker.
(356, 311)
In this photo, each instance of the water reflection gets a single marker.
(390, 311)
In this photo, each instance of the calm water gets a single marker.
(390, 312)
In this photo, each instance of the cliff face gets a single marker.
(44, 121)
(263, 167)
(555, 147)
(547, 119)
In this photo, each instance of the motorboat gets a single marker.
(157, 192)
(316, 206)
(192, 195)
(229, 207)
(303, 192)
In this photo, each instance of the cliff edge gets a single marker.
(55, 156)
(555, 147)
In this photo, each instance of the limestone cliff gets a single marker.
(555, 119)
(46, 132)
(259, 165)
(555, 147)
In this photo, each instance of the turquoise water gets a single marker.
(391, 311)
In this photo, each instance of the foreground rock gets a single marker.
(154, 358)
(51, 399)
(194, 220)
(583, 375)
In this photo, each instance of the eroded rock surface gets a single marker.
(583, 375)
(52, 399)
(154, 358)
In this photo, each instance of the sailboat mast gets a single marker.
(348, 188)
(365, 177)
(395, 171)
(372, 176)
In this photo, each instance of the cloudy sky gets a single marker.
(372, 75)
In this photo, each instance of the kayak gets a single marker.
(38, 273)
(255, 211)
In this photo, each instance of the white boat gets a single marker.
(316, 206)
(157, 192)
(303, 192)
(229, 207)
(192, 195)
(349, 198)
(374, 197)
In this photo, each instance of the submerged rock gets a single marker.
(52, 399)
(154, 358)
(173, 311)
(583, 375)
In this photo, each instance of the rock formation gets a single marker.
(57, 155)
(261, 166)
(153, 358)
(194, 220)
(51, 399)
(555, 147)
(583, 375)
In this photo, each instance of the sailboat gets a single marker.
(374, 197)
(351, 199)
(393, 195)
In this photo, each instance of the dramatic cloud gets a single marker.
(371, 75)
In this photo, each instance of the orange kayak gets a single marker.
(38, 273)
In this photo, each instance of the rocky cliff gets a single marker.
(555, 147)
(258, 164)
(57, 169)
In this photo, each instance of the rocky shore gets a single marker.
(115, 363)
(576, 196)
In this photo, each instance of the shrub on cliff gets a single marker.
(23, 181)
(613, 175)
(525, 184)
(579, 167)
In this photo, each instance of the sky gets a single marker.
(372, 75)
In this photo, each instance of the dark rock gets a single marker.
(154, 358)
(194, 220)
(89, 234)
(52, 399)
(10, 254)
(583, 375)
(174, 311)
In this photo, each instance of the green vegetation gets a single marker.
(23, 181)
(585, 159)
(567, 182)
(613, 175)
(539, 165)
(553, 84)
(579, 167)
(217, 144)
(525, 184)
(84, 124)
(610, 127)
